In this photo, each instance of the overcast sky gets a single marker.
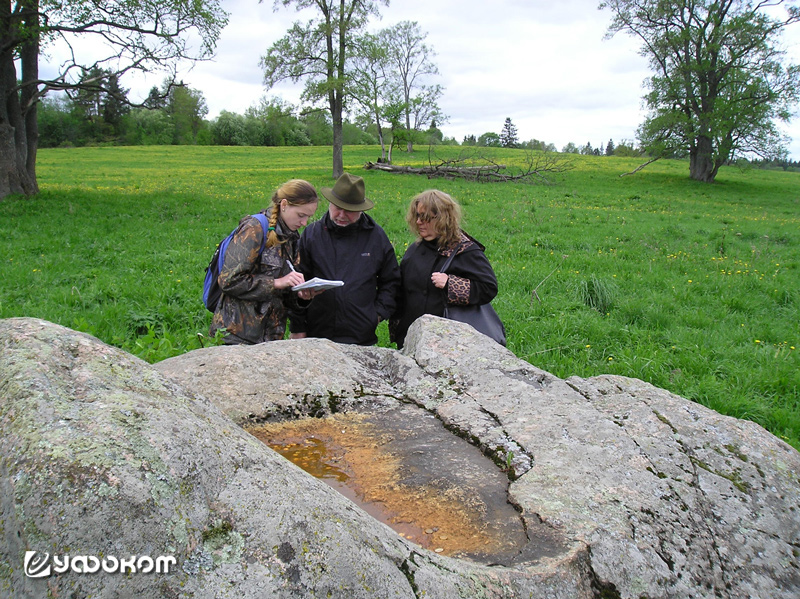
(544, 64)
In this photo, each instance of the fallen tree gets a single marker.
(481, 166)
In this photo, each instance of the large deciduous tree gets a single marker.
(720, 80)
(134, 35)
(372, 86)
(413, 64)
(317, 51)
(390, 79)
(187, 110)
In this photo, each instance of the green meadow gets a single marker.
(692, 287)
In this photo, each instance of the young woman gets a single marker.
(435, 217)
(257, 287)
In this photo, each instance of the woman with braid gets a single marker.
(257, 286)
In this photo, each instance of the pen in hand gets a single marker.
(295, 280)
(305, 293)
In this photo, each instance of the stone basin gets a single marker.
(404, 468)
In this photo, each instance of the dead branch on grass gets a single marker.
(640, 167)
(479, 165)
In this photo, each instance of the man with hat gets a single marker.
(346, 244)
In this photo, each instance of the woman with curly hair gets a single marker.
(435, 218)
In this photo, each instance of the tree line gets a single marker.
(176, 115)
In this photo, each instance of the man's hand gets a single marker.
(309, 294)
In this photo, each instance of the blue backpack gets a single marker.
(211, 289)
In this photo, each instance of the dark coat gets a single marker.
(471, 281)
(251, 309)
(362, 256)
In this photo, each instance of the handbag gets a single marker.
(482, 317)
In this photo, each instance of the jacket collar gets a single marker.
(284, 232)
(464, 242)
(364, 222)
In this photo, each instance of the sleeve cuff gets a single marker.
(458, 290)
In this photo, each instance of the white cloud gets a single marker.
(544, 64)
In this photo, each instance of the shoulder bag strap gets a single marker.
(447, 262)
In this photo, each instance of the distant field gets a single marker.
(692, 287)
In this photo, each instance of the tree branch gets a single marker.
(481, 167)
(640, 167)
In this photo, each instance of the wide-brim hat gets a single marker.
(347, 193)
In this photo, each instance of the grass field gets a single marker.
(692, 287)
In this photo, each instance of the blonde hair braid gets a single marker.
(296, 192)
(272, 236)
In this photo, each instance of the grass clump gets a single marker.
(597, 293)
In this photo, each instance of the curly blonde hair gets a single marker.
(444, 214)
(296, 192)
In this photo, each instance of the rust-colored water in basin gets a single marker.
(402, 467)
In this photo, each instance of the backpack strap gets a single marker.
(262, 218)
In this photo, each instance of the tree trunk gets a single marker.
(702, 166)
(383, 145)
(29, 95)
(410, 143)
(18, 125)
(17, 145)
(336, 94)
(335, 99)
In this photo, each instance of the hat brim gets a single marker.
(327, 192)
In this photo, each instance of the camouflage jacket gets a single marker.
(251, 310)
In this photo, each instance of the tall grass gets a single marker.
(692, 287)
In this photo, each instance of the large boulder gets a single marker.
(101, 454)
(107, 464)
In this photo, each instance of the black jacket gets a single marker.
(471, 281)
(362, 256)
